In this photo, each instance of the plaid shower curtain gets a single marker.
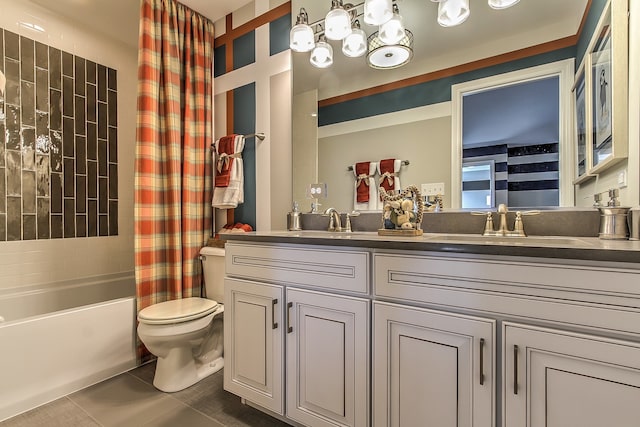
(173, 163)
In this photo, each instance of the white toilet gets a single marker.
(186, 334)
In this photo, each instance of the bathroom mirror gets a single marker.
(489, 41)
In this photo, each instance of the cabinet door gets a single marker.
(432, 368)
(253, 342)
(554, 378)
(327, 359)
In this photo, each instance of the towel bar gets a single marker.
(260, 135)
(404, 162)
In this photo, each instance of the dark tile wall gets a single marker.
(58, 143)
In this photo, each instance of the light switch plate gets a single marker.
(432, 189)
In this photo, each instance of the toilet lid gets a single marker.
(180, 310)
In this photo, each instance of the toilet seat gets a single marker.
(177, 311)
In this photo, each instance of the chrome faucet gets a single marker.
(334, 219)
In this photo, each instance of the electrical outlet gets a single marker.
(432, 189)
(316, 191)
(622, 179)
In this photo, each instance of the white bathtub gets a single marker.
(68, 336)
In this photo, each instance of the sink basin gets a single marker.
(492, 240)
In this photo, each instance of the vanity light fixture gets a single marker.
(322, 54)
(301, 36)
(392, 31)
(355, 44)
(389, 47)
(377, 12)
(337, 23)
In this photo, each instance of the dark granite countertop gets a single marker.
(585, 250)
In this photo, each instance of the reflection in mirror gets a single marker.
(517, 127)
(478, 184)
(350, 113)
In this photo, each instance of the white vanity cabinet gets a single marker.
(557, 378)
(327, 359)
(254, 343)
(570, 334)
(299, 308)
(432, 368)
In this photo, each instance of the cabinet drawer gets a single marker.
(600, 297)
(335, 269)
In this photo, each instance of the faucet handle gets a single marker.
(488, 224)
(518, 226)
(347, 226)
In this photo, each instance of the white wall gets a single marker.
(272, 78)
(42, 262)
(305, 150)
(425, 142)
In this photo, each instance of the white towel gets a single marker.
(231, 196)
(397, 164)
(372, 204)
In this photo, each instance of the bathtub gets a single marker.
(62, 338)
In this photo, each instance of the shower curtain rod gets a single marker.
(404, 162)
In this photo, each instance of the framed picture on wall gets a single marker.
(606, 74)
(582, 154)
(602, 92)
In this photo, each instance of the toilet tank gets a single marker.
(213, 271)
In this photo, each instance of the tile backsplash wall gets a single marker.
(58, 143)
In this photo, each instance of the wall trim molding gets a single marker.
(427, 112)
(456, 70)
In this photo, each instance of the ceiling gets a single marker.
(486, 32)
(118, 19)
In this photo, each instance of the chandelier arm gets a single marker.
(350, 8)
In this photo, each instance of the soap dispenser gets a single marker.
(614, 219)
(293, 218)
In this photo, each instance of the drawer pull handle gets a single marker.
(515, 369)
(289, 327)
(274, 324)
(481, 361)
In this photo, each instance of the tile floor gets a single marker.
(131, 400)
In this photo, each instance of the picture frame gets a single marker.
(582, 136)
(605, 70)
(602, 83)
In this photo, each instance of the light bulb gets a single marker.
(301, 37)
(355, 44)
(392, 31)
(502, 4)
(377, 12)
(322, 55)
(337, 23)
(453, 12)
